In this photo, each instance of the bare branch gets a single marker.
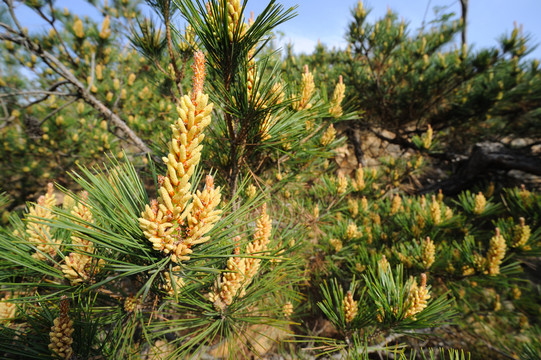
(167, 20)
(51, 88)
(9, 3)
(34, 92)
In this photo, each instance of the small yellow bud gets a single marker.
(80, 107)
(336, 244)
(352, 231)
(427, 139)
(428, 253)
(396, 204)
(496, 253)
(521, 234)
(78, 28)
(480, 203)
(350, 307)
(105, 30)
(364, 204)
(251, 191)
(328, 136)
(315, 212)
(131, 79)
(342, 184)
(16, 113)
(516, 292)
(353, 207)
(435, 210)
(287, 309)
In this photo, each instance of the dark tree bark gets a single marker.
(486, 156)
(464, 6)
(353, 133)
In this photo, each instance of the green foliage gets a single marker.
(307, 251)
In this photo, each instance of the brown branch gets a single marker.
(51, 88)
(167, 20)
(161, 69)
(34, 92)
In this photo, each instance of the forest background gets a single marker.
(374, 200)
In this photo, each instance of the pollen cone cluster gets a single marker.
(396, 204)
(268, 123)
(307, 90)
(427, 138)
(338, 96)
(172, 283)
(241, 271)
(80, 265)
(350, 307)
(328, 136)
(417, 298)
(105, 28)
(232, 280)
(428, 255)
(521, 234)
(8, 309)
(251, 71)
(60, 334)
(188, 41)
(435, 211)
(78, 28)
(287, 309)
(234, 9)
(358, 183)
(178, 219)
(496, 253)
(40, 234)
(480, 203)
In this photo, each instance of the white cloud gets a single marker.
(307, 45)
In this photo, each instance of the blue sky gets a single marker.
(326, 20)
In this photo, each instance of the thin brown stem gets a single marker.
(60, 108)
(167, 20)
